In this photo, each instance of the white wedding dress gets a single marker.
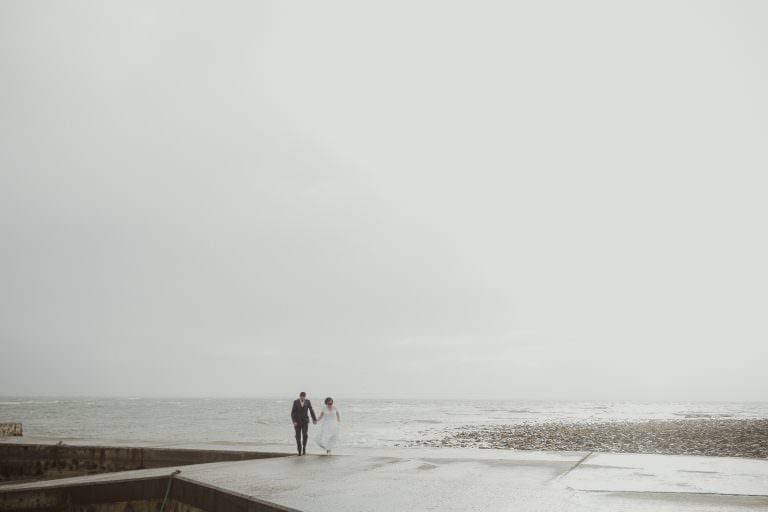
(328, 434)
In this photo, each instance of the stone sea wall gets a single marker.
(40, 461)
(10, 429)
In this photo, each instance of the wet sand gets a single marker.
(725, 438)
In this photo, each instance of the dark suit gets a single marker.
(301, 423)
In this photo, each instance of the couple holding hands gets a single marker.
(329, 424)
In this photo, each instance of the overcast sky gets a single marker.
(534, 200)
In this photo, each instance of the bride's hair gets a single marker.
(328, 399)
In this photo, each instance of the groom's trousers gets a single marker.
(302, 433)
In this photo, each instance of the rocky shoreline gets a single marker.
(713, 437)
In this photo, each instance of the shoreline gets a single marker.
(711, 437)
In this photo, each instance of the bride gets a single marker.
(329, 426)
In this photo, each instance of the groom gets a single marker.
(301, 421)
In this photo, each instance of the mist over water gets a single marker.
(366, 423)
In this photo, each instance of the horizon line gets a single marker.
(372, 397)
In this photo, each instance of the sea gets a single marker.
(365, 423)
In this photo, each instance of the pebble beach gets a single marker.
(711, 437)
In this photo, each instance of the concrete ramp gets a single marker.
(380, 483)
(497, 481)
(669, 474)
(417, 480)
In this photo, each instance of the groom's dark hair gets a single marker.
(302, 394)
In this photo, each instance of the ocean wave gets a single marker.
(702, 415)
(28, 402)
(511, 411)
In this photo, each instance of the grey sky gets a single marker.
(502, 199)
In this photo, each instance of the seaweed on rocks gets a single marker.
(713, 437)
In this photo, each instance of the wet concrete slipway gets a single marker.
(458, 479)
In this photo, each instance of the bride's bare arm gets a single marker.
(321, 415)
